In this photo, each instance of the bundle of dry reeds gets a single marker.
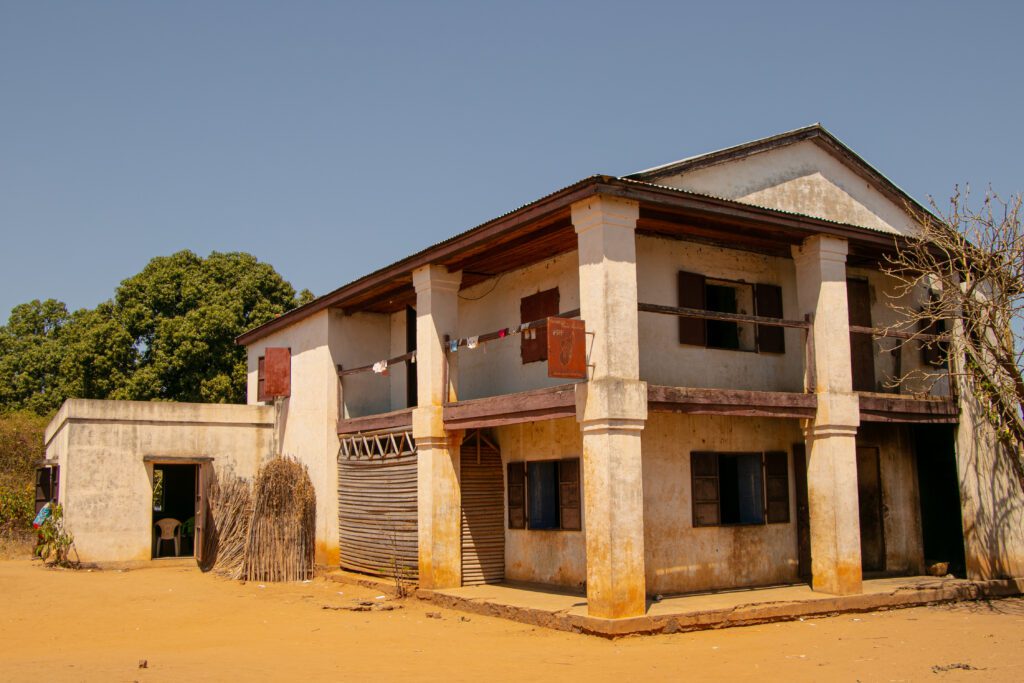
(282, 531)
(228, 529)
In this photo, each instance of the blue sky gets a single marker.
(332, 138)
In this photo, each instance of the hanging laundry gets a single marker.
(472, 342)
(502, 333)
(380, 367)
(453, 345)
(412, 359)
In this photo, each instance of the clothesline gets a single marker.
(380, 366)
(452, 345)
(529, 329)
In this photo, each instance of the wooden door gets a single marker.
(869, 495)
(202, 478)
(803, 516)
(483, 511)
(862, 353)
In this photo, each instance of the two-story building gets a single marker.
(735, 424)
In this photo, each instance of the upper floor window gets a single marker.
(730, 296)
(536, 307)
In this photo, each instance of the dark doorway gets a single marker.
(411, 390)
(869, 497)
(862, 354)
(174, 510)
(938, 483)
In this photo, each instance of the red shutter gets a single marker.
(768, 303)
(278, 373)
(691, 295)
(516, 479)
(534, 343)
(569, 494)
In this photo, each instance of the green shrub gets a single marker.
(17, 508)
(55, 543)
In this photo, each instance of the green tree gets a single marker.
(167, 334)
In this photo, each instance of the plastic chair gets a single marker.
(168, 529)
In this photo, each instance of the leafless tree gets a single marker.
(960, 296)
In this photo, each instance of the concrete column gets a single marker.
(611, 408)
(438, 493)
(831, 435)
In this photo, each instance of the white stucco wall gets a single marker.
(663, 360)
(802, 178)
(106, 486)
(496, 367)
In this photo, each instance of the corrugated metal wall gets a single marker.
(377, 514)
(483, 512)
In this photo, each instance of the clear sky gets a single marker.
(332, 138)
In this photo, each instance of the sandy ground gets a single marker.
(61, 625)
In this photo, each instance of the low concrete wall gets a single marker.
(106, 485)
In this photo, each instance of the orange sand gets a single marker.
(80, 626)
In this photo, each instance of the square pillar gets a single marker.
(611, 408)
(439, 496)
(831, 437)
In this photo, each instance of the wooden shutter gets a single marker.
(44, 487)
(516, 495)
(862, 349)
(483, 521)
(569, 494)
(261, 380)
(768, 303)
(692, 295)
(277, 372)
(704, 489)
(776, 486)
(534, 344)
(803, 517)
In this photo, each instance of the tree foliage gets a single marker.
(167, 334)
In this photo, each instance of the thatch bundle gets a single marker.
(230, 511)
(282, 528)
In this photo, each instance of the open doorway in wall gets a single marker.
(938, 482)
(174, 510)
(869, 499)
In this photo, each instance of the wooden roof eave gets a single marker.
(394, 282)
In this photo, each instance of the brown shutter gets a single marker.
(704, 488)
(55, 484)
(261, 380)
(569, 494)
(776, 485)
(516, 495)
(862, 349)
(691, 295)
(534, 343)
(768, 303)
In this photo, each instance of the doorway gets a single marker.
(869, 497)
(175, 506)
(938, 482)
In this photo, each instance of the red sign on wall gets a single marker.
(277, 366)
(567, 348)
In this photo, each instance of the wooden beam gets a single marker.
(907, 409)
(736, 402)
(729, 317)
(526, 406)
(396, 419)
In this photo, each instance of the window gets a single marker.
(739, 488)
(47, 485)
(261, 380)
(544, 494)
(534, 346)
(728, 296)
